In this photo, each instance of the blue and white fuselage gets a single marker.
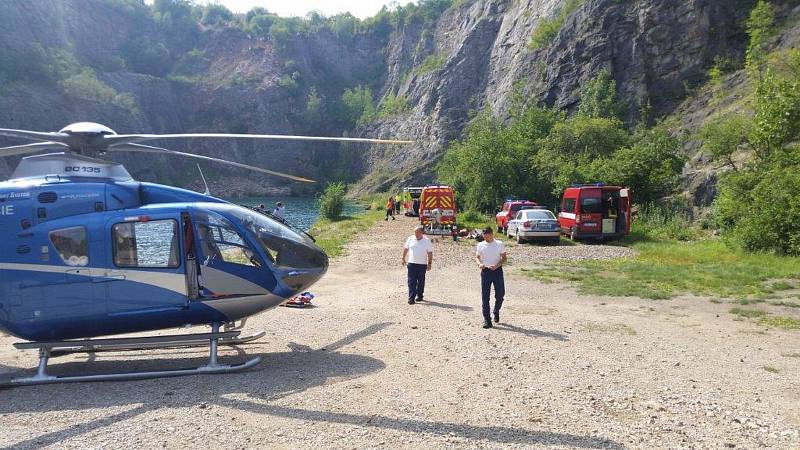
(87, 251)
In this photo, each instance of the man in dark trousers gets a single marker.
(491, 255)
(418, 258)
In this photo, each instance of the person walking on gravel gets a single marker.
(390, 208)
(418, 258)
(491, 255)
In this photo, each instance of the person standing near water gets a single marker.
(491, 255)
(418, 258)
(279, 211)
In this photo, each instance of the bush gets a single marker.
(215, 14)
(359, 107)
(547, 29)
(666, 221)
(432, 63)
(85, 86)
(391, 105)
(331, 202)
(599, 97)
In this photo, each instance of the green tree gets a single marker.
(760, 26)
(650, 167)
(599, 97)
(331, 202)
(723, 136)
(215, 14)
(359, 107)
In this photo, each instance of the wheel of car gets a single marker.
(519, 239)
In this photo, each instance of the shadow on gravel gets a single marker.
(278, 375)
(445, 305)
(496, 434)
(531, 333)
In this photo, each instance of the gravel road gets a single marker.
(363, 369)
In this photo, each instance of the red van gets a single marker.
(595, 211)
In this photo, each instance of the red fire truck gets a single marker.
(437, 209)
(595, 211)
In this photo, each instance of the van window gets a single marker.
(590, 205)
(146, 244)
(568, 206)
(71, 245)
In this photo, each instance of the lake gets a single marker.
(300, 211)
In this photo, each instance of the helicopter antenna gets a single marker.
(207, 191)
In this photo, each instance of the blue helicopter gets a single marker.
(88, 252)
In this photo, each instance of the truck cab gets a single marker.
(595, 211)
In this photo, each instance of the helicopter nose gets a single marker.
(298, 279)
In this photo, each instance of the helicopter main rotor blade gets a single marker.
(114, 140)
(139, 148)
(34, 135)
(31, 148)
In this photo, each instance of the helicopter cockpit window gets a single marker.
(71, 245)
(146, 244)
(286, 247)
(219, 241)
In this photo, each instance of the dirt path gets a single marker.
(365, 369)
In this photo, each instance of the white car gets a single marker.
(532, 224)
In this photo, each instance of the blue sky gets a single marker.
(359, 8)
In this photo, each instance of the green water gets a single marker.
(300, 211)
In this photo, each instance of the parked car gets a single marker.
(509, 211)
(595, 211)
(530, 224)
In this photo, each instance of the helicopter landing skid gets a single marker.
(213, 339)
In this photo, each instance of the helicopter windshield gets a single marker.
(284, 246)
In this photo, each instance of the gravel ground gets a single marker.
(363, 369)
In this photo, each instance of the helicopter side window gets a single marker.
(71, 245)
(146, 244)
(224, 244)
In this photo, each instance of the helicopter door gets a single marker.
(147, 265)
(69, 293)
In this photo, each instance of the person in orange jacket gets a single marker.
(390, 208)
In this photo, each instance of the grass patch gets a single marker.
(333, 235)
(619, 328)
(547, 29)
(431, 64)
(783, 322)
(665, 268)
(749, 313)
(786, 304)
(771, 369)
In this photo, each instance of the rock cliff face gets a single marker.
(658, 51)
(474, 56)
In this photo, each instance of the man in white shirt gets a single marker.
(280, 211)
(491, 255)
(417, 257)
